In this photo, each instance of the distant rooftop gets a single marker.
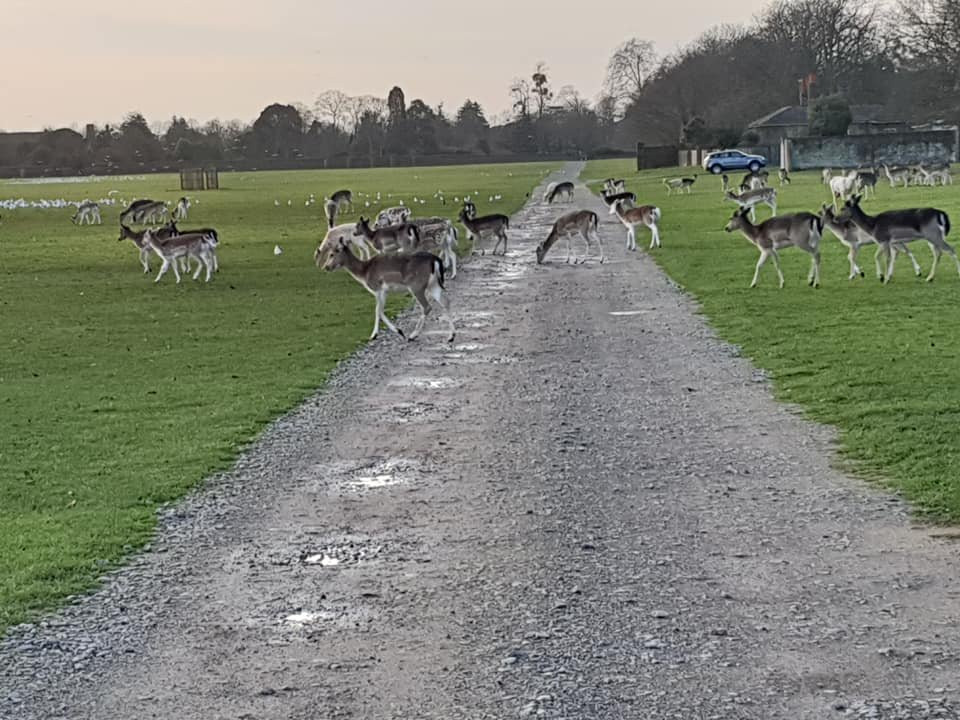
(793, 115)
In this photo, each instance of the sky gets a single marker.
(66, 63)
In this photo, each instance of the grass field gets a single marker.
(882, 364)
(117, 395)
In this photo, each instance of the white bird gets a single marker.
(277, 250)
(289, 203)
(366, 204)
(401, 203)
(276, 203)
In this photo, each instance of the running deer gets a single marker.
(634, 217)
(799, 230)
(390, 239)
(420, 274)
(194, 246)
(749, 199)
(564, 188)
(853, 238)
(487, 225)
(904, 226)
(680, 184)
(584, 223)
(88, 211)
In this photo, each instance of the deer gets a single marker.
(343, 199)
(330, 208)
(584, 223)
(213, 240)
(564, 188)
(181, 209)
(145, 211)
(754, 180)
(420, 274)
(680, 184)
(825, 175)
(725, 183)
(897, 175)
(489, 225)
(612, 186)
(842, 187)
(393, 216)
(344, 232)
(799, 230)
(644, 215)
(899, 227)
(611, 200)
(853, 238)
(470, 209)
(388, 239)
(88, 211)
(172, 249)
(937, 176)
(784, 176)
(751, 198)
(439, 236)
(866, 182)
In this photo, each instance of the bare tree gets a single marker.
(361, 105)
(571, 100)
(628, 69)
(334, 107)
(930, 32)
(520, 92)
(837, 37)
(541, 87)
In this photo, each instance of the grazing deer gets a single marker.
(611, 200)
(853, 238)
(897, 175)
(680, 184)
(486, 225)
(393, 216)
(784, 176)
(749, 199)
(633, 217)
(936, 176)
(904, 226)
(343, 199)
(88, 211)
(420, 274)
(172, 249)
(390, 239)
(549, 190)
(182, 208)
(800, 230)
(564, 188)
(144, 211)
(584, 223)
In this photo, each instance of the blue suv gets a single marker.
(718, 162)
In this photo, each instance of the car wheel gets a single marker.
(716, 169)
(754, 166)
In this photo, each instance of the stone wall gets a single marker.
(909, 148)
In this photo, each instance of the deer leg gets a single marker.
(424, 303)
(376, 316)
(937, 252)
(596, 236)
(436, 292)
(913, 260)
(504, 233)
(569, 247)
(764, 256)
(176, 270)
(163, 269)
(145, 260)
(381, 303)
(892, 256)
(776, 263)
(876, 260)
(816, 268)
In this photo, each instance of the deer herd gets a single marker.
(396, 252)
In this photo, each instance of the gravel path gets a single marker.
(587, 507)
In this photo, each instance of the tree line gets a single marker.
(905, 58)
